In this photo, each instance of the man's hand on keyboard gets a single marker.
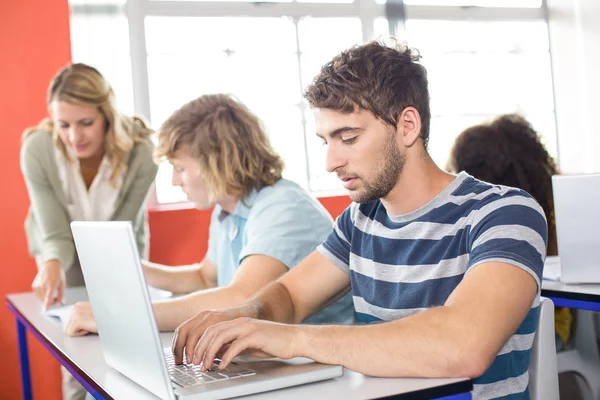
(243, 335)
(81, 321)
(189, 333)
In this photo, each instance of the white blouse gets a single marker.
(96, 204)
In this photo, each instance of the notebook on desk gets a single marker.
(129, 336)
(577, 212)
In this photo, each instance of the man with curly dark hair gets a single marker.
(448, 265)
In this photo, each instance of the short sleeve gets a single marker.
(285, 230)
(511, 230)
(336, 248)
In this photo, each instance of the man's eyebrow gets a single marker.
(339, 131)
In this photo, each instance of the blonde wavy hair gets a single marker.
(227, 140)
(84, 85)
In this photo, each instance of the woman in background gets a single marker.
(85, 162)
(508, 151)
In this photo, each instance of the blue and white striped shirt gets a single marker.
(403, 265)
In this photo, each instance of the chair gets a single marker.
(543, 370)
(583, 359)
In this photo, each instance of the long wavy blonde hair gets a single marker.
(227, 140)
(84, 85)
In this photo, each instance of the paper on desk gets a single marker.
(62, 312)
(552, 269)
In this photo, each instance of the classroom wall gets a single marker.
(34, 43)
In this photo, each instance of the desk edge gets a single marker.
(63, 359)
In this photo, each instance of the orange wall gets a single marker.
(178, 237)
(181, 236)
(336, 204)
(34, 44)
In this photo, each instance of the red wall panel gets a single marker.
(34, 44)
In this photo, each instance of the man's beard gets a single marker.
(387, 177)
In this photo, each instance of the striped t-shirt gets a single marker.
(402, 265)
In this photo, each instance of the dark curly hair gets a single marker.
(378, 77)
(508, 151)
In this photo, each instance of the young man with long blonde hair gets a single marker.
(262, 225)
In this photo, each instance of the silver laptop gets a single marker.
(130, 341)
(577, 211)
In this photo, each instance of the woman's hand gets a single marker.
(49, 283)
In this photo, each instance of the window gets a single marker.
(478, 3)
(262, 61)
(478, 70)
(100, 38)
(484, 58)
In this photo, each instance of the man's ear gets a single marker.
(409, 126)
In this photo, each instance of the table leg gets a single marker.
(25, 375)
(24, 360)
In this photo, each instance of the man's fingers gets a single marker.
(179, 342)
(206, 350)
(222, 350)
(70, 324)
(188, 334)
(193, 339)
(76, 329)
(196, 334)
(174, 340)
(237, 347)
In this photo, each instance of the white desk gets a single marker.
(83, 357)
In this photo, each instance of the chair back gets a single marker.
(543, 370)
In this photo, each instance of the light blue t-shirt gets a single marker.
(282, 221)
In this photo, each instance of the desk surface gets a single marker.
(84, 354)
(583, 292)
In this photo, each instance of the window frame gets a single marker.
(367, 11)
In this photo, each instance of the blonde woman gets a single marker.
(262, 224)
(86, 161)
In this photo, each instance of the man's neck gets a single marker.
(420, 181)
(229, 204)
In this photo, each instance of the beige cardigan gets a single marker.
(47, 224)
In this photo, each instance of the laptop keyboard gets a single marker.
(186, 375)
